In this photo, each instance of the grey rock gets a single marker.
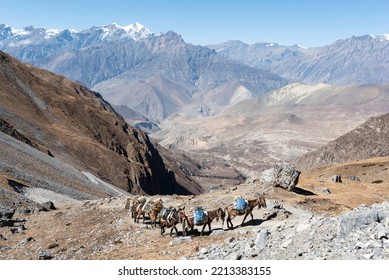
(203, 250)
(336, 178)
(260, 241)
(284, 176)
(229, 240)
(49, 205)
(25, 241)
(43, 255)
(354, 178)
(352, 221)
(326, 191)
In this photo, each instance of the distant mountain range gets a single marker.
(155, 75)
(353, 61)
(159, 75)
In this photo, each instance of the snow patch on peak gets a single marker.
(383, 37)
(52, 33)
(135, 31)
(19, 31)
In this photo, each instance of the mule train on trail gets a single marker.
(170, 217)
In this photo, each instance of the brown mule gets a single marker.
(209, 217)
(232, 213)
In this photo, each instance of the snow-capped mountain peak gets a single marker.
(135, 31)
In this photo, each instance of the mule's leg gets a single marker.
(202, 230)
(229, 223)
(245, 216)
(252, 217)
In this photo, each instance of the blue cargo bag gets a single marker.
(240, 204)
(198, 216)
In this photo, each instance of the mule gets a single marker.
(169, 218)
(137, 204)
(150, 208)
(154, 212)
(232, 213)
(209, 216)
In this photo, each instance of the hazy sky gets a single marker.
(305, 22)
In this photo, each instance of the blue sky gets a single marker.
(308, 23)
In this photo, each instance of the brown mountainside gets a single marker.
(74, 124)
(371, 139)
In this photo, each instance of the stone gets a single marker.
(284, 176)
(260, 241)
(354, 178)
(43, 255)
(351, 221)
(336, 178)
(25, 241)
(326, 191)
(229, 240)
(49, 205)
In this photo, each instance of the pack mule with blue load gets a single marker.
(244, 207)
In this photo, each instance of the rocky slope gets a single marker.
(370, 139)
(305, 224)
(73, 124)
(352, 61)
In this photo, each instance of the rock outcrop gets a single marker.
(284, 176)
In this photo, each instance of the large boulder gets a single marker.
(284, 176)
(361, 218)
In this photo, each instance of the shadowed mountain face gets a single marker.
(75, 125)
(370, 139)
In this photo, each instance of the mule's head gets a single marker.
(261, 201)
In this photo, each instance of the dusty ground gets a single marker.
(103, 229)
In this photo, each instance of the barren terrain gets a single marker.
(103, 228)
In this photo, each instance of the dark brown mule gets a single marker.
(169, 218)
(232, 213)
(209, 217)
